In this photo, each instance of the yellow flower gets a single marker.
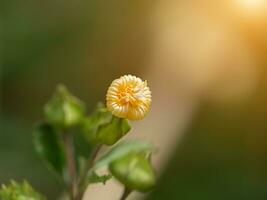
(129, 97)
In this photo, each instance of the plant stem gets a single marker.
(90, 164)
(93, 156)
(126, 193)
(68, 143)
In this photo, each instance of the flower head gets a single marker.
(129, 97)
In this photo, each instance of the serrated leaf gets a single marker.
(135, 146)
(95, 178)
(19, 191)
(49, 147)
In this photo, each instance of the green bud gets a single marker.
(19, 191)
(134, 171)
(64, 110)
(104, 128)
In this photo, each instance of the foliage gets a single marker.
(19, 191)
(123, 149)
(104, 128)
(95, 178)
(64, 110)
(68, 141)
(49, 147)
(134, 171)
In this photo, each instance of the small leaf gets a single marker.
(64, 110)
(104, 128)
(134, 171)
(95, 178)
(19, 191)
(123, 149)
(110, 133)
(49, 147)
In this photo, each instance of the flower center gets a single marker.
(127, 96)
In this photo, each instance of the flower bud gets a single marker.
(64, 110)
(134, 171)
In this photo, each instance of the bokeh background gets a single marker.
(205, 62)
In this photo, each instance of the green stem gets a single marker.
(93, 156)
(126, 193)
(90, 164)
(69, 150)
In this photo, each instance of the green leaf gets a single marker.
(122, 149)
(110, 133)
(134, 171)
(19, 191)
(49, 147)
(64, 110)
(82, 148)
(82, 152)
(104, 128)
(95, 178)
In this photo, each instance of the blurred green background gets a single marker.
(85, 44)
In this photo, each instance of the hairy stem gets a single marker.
(68, 143)
(126, 193)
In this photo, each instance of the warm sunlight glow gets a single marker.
(254, 7)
